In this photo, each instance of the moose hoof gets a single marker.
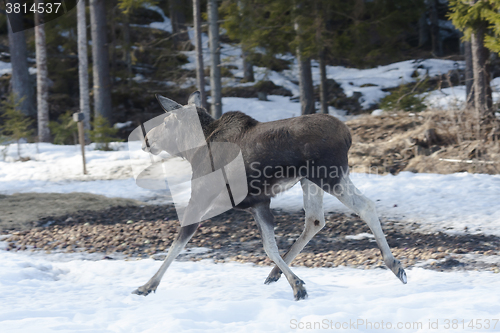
(144, 290)
(273, 276)
(399, 271)
(402, 275)
(299, 291)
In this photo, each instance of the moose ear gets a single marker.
(195, 99)
(167, 104)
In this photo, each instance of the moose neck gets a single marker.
(206, 121)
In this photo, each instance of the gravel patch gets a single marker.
(148, 230)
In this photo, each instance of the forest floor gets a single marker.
(434, 141)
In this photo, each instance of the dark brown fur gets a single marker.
(303, 144)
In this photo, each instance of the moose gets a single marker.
(311, 146)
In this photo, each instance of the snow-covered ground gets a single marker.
(66, 293)
(6, 68)
(454, 97)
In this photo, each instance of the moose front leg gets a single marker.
(265, 221)
(179, 243)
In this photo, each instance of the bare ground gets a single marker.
(21, 210)
(138, 231)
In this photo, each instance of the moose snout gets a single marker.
(150, 148)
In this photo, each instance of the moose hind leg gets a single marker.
(182, 238)
(315, 221)
(351, 197)
(265, 221)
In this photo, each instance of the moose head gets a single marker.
(180, 129)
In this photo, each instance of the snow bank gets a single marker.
(370, 82)
(278, 107)
(447, 203)
(454, 97)
(6, 68)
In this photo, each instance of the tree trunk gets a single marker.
(83, 64)
(469, 74)
(178, 20)
(305, 84)
(215, 77)
(305, 76)
(113, 44)
(21, 84)
(437, 44)
(200, 74)
(100, 68)
(481, 77)
(127, 46)
(247, 66)
(423, 30)
(322, 84)
(41, 78)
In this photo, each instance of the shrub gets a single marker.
(102, 133)
(64, 129)
(16, 125)
(405, 97)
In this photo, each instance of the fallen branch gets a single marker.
(466, 161)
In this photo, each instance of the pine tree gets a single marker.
(248, 75)
(42, 78)
(127, 6)
(469, 74)
(16, 125)
(358, 32)
(200, 74)
(103, 134)
(21, 84)
(215, 75)
(83, 64)
(178, 19)
(64, 129)
(303, 55)
(437, 43)
(279, 27)
(477, 20)
(102, 85)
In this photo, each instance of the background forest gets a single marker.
(137, 48)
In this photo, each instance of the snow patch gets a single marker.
(360, 236)
(46, 294)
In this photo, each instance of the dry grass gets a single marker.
(434, 141)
